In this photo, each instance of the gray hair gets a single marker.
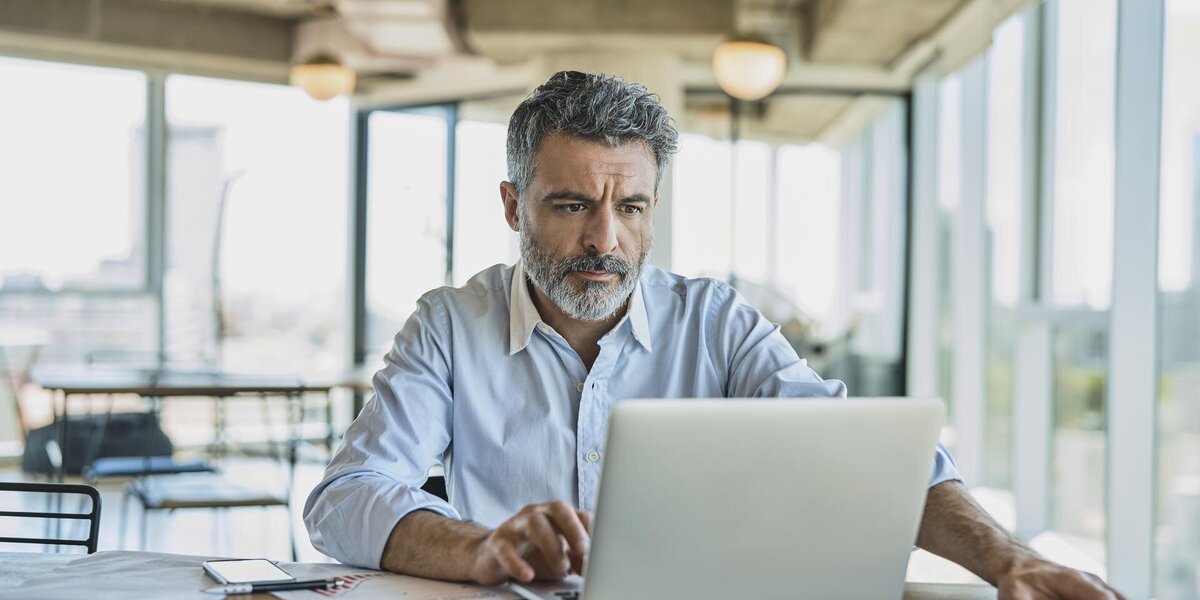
(601, 108)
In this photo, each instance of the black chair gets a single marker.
(92, 517)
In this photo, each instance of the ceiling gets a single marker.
(862, 32)
(278, 8)
(831, 44)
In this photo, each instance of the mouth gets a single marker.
(596, 275)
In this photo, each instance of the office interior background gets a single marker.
(995, 202)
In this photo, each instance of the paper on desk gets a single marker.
(125, 575)
(386, 585)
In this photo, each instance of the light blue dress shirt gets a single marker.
(478, 383)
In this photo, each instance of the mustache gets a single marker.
(597, 262)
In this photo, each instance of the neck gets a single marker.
(583, 336)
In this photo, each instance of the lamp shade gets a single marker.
(748, 69)
(323, 78)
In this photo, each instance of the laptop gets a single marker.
(753, 498)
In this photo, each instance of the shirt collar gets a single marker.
(523, 315)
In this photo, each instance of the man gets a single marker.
(508, 380)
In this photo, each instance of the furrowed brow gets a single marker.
(568, 196)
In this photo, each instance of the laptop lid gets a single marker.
(753, 498)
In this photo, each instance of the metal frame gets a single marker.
(156, 197)
(1133, 341)
(1132, 321)
(921, 322)
(92, 516)
(1033, 359)
(360, 207)
(969, 295)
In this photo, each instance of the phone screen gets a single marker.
(250, 570)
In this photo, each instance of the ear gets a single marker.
(512, 205)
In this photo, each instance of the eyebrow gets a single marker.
(580, 197)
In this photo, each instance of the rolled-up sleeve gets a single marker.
(375, 477)
(762, 364)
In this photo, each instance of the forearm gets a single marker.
(955, 527)
(426, 544)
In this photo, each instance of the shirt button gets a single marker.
(593, 456)
(579, 387)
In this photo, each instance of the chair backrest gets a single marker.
(92, 516)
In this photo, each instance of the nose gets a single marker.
(600, 237)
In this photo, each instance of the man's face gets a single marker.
(585, 222)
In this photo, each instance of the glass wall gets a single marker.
(411, 206)
(258, 187)
(1049, 184)
(482, 236)
(73, 227)
(1080, 250)
(72, 182)
(1005, 179)
(949, 186)
(406, 217)
(1178, 540)
(781, 215)
(701, 233)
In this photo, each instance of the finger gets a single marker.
(566, 520)
(1085, 585)
(1071, 585)
(1109, 593)
(1015, 592)
(542, 533)
(585, 517)
(576, 560)
(512, 562)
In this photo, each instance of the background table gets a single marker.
(66, 382)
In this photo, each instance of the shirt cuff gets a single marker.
(944, 467)
(364, 511)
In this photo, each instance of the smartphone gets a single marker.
(245, 570)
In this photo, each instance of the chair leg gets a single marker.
(124, 520)
(292, 535)
(220, 517)
(142, 533)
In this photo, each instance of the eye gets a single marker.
(571, 208)
(631, 209)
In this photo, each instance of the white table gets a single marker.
(113, 575)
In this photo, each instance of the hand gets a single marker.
(543, 541)
(1037, 579)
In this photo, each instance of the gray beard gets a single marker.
(593, 302)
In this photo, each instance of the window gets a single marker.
(1081, 253)
(71, 177)
(751, 218)
(72, 211)
(1005, 179)
(482, 236)
(700, 230)
(1179, 304)
(406, 217)
(949, 187)
(1083, 153)
(265, 166)
(808, 183)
